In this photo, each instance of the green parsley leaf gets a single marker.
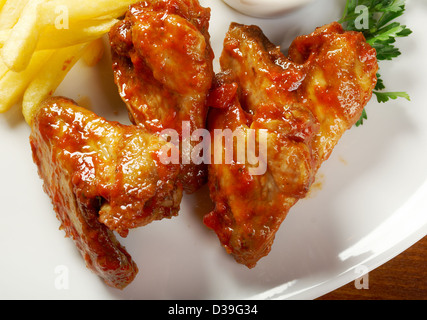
(362, 118)
(386, 96)
(381, 33)
(380, 84)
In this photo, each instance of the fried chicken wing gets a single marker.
(163, 67)
(102, 177)
(305, 101)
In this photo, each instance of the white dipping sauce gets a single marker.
(265, 8)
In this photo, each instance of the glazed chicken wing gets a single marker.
(162, 62)
(102, 177)
(305, 101)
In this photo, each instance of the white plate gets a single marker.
(371, 206)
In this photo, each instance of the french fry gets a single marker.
(85, 31)
(41, 40)
(47, 81)
(4, 35)
(94, 52)
(13, 84)
(2, 2)
(22, 42)
(10, 13)
(3, 69)
(53, 38)
(38, 14)
(84, 9)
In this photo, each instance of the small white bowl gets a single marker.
(265, 8)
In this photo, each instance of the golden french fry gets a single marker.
(10, 12)
(3, 69)
(94, 52)
(4, 35)
(85, 31)
(22, 42)
(48, 80)
(41, 40)
(13, 84)
(82, 32)
(54, 11)
(2, 3)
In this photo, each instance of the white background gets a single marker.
(368, 206)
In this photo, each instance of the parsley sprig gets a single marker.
(376, 20)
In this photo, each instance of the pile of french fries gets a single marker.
(41, 40)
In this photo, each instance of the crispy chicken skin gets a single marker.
(162, 62)
(306, 101)
(102, 177)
